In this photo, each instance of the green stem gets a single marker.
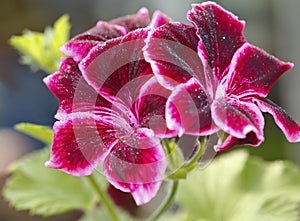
(166, 204)
(190, 165)
(168, 150)
(104, 198)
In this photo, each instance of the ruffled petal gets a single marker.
(144, 193)
(188, 110)
(172, 52)
(220, 34)
(288, 126)
(80, 143)
(137, 165)
(238, 118)
(159, 19)
(131, 22)
(79, 46)
(232, 141)
(253, 71)
(150, 108)
(117, 65)
(73, 92)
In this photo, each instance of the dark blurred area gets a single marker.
(271, 24)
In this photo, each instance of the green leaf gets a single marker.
(41, 50)
(178, 216)
(42, 133)
(237, 187)
(99, 214)
(45, 191)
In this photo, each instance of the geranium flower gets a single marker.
(111, 108)
(218, 80)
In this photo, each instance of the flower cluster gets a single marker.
(133, 81)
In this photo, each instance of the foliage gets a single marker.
(102, 214)
(42, 133)
(41, 50)
(241, 187)
(45, 191)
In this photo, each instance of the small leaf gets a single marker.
(45, 191)
(42, 133)
(237, 187)
(41, 50)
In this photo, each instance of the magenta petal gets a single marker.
(232, 141)
(137, 165)
(73, 92)
(172, 52)
(63, 84)
(159, 19)
(220, 34)
(145, 192)
(288, 126)
(79, 144)
(253, 71)
(79, 46)
(150, 108)
(141, 193)
(110, 67)
(188, 110)
(131, 22)
(238, 118)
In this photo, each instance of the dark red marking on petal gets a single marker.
(220, 34)
(232, 141)
(137, 165)
(172, 51)
(131, 22)
(79, 46)
(150, 108)
(237, 118)
(80, 143)
(253, 71)
(73, 92)
(288, 126)
(188, 110)
(110, 67)
(123, 200)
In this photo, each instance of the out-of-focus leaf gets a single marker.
(41, 50)
(99, 214)
(40, 132)
(239, 187)
(45, 191)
